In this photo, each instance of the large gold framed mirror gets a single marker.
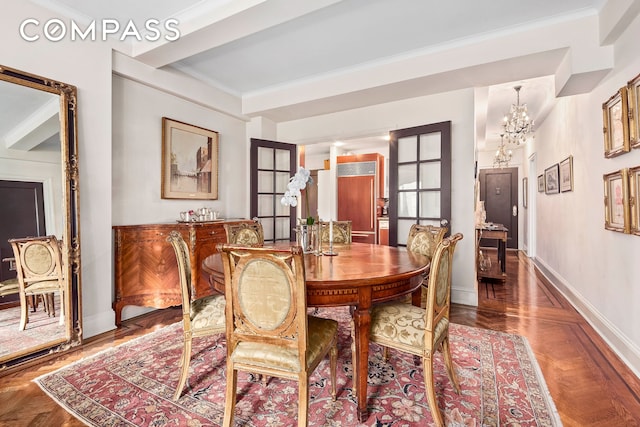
(38, 197)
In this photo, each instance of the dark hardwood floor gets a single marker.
(589, 383)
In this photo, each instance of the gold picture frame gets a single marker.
(615, 118)
(566, 174)
(189, 161)
(633, 93)
(634, 199)
(525, 192)
(616, 201)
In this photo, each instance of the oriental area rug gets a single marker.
(132, 385)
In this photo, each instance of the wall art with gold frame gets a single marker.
(189, 161)
(616, 201)
(616, 124)
(634, 199)
(566, 174)
(633, 93)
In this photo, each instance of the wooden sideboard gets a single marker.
(146, 270)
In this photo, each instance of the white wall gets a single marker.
(596, 268)
(137, 135)
(86, 65)
(455, 106)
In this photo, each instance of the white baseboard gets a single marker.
(618, 341)
(464, 296)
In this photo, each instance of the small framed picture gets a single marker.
(616, 124)
(633, 93)
(525, 191)
(616, 201)
(551, 184)
(634, 199)
(540, 183)
(566, 174)
(189, 161)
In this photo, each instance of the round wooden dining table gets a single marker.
(359, 276)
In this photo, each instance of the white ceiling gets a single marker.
(289, 59)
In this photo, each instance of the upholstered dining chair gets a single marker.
(423, 240)
(246, 234)
(268, 328)
(200, 317)
(422, 331)
(341, 232)
(39, 272)
(9, 287)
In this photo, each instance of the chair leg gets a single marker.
(448, 361)
(427, 366)
(333, 362)
(385, 354)
(230, 395)
(303, 401)
(353, 355)
(184, 372)
(24, 312)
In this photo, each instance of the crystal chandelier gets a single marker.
(517, 124)
(503, 156)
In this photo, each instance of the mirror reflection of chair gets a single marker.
(247, 234)
(419, 331)
(268, 328)
(341, 232)
(200, 317)
(39, 273)
(423, 240)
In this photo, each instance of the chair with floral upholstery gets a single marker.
(268, 328)
(39, 273)
(421, 331)
(246, 234)
(200, 317)
(341, 232)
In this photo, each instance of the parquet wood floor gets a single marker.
(589, 383)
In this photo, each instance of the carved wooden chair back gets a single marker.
(268, 329)
(200, 317)
(424, 239)
(39, 272)
(246, 234)
(341, 232)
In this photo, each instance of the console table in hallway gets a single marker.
(496, 232)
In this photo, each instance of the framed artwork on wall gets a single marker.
(616, 124)
(540, 183)
(634, 199)
(189, 161)
(566, 174)
(551, 183)
(525, 191)
(633, 93)
(616, 201)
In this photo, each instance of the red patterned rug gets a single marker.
(132, 384)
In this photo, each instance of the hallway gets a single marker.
(590, 385)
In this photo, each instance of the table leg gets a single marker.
(362, 323)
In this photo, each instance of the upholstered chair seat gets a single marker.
(269, 330)
(421, 331)
(200, 317)
(9, 287)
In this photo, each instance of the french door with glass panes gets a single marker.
(419, 179)
(272, 164)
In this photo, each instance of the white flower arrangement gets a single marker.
(297, 183)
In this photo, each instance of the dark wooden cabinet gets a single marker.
(146, 271)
